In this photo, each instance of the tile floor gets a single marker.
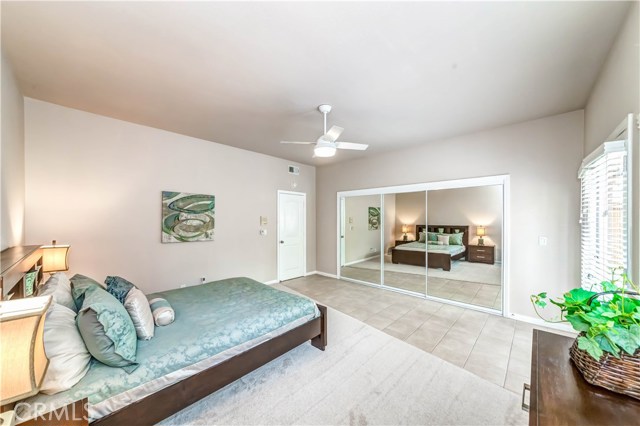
(495, 348)
(486, 295)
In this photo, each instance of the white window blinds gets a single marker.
(604, 213)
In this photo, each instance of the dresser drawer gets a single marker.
(481, 254)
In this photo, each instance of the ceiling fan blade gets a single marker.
(298, 143)
(351, 145)
(333, 134)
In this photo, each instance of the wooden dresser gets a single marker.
(481, 254)
(560, 396)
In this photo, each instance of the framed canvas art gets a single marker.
(187, 217)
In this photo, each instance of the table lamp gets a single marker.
(405, 229)
(23, 361)
(54, 257)
(481, 231)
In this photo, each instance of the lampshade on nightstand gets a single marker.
(54, 257)
(23, 361)
(405, 229)
(481, 231)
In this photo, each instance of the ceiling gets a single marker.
(252, 74)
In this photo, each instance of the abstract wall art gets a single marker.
(187, 217)
(374, 218)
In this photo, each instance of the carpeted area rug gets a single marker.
(461, 270)
(365, 377)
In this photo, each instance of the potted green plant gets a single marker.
(607, 350)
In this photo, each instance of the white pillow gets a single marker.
(443, 240)
(59, 286)
(137, 306)
(68, 356)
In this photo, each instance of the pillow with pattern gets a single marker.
(118, 287)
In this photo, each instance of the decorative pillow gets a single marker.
(456, 239)
(80, 284)
(139, 310)
(59, 287)
(422, 237)
(68, 356)
(162, 311)
(118, 287)
(443, 239)
(107, 329)
(432, 236)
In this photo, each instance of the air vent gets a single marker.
(294, 170)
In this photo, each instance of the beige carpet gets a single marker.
(365, 377)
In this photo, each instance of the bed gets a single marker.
(222, 331)
(437, 257)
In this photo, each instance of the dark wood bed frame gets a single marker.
(168, 401)
(435, 260)
(180, 395)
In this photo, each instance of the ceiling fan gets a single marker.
(327, 144)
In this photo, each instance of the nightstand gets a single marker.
(400, 242)
(74, 414)
(481, 254)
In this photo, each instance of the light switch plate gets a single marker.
(542, 241)
(263, 220)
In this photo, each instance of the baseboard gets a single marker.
(361, 260)
(310, 273)
(325, 274)
(542, 323)
(271, 282)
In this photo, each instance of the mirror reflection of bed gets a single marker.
(456, 232)
(477, 278)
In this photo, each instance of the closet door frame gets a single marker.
(503, 180)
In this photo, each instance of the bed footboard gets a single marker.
(174, 398)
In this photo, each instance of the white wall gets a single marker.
(95, 183)
(541, 156)
(410, 210)
(360, 242)
(390, 222)
(479, 205)
(12, 160)
(615, 94)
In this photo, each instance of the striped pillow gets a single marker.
(163, 313)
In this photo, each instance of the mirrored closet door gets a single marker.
(405, 255)
(464, 235)
(361, 238)
(443, 242)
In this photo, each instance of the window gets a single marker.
(604, 213)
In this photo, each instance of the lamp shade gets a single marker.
(481, 231)
(405, 229)
(23, 361)
(54, 257)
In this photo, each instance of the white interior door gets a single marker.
(291, 235)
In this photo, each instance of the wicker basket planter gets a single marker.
(621, 375)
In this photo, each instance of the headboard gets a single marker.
(448, 229)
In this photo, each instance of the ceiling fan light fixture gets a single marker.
(324, 151)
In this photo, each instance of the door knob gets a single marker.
(281, 242)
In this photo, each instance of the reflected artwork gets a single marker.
(374, 218)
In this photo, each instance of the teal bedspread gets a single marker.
(432, 248)
(210, 319)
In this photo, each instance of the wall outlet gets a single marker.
(263, 232)
(542, 241)
(202, 280)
